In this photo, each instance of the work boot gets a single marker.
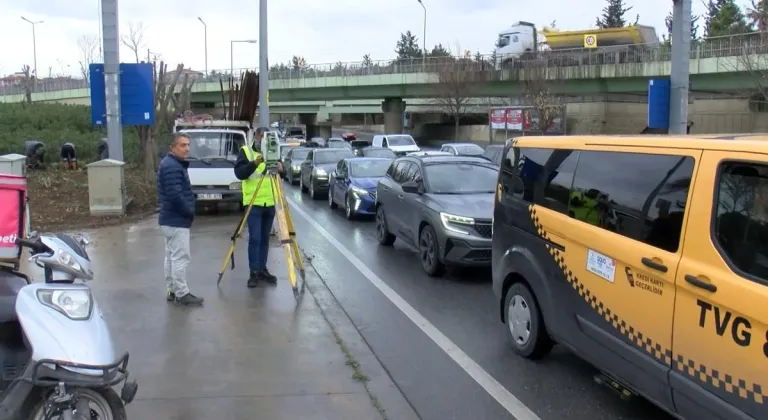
(268, 277)
(253, 280)
(170, 296)
(189, 299)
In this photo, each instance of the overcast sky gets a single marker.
(322, 31)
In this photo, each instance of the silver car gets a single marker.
(316, 168)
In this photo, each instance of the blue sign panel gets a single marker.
(98, 98)
(137, 94)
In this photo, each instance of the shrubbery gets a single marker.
(55, 124)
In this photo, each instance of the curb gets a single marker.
(385, 395)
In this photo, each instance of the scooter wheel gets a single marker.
(103, 401)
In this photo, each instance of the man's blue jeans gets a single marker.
(260, 221)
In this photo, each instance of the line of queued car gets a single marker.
(440, 202)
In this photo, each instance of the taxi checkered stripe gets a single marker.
(713, 377)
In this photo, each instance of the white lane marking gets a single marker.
(485, 380)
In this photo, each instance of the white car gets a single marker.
(401, 144)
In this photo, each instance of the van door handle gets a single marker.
(400, 196)
(695, 281)
(654, 265)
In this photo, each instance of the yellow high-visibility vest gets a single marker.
(264, 197)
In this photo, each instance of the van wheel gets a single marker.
(525, 325)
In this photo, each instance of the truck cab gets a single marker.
(515, 41)
(213, 149)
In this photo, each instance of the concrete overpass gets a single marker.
(315, 92)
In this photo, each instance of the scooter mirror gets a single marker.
(84, 242)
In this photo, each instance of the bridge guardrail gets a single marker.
(725, 46)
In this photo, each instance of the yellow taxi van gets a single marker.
(645, 255)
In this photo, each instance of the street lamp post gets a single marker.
(205, 31)
(232, 54)
(424, 38)
(34, 42)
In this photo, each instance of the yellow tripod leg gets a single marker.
(229, 258)
(291, 232)
(285, 238)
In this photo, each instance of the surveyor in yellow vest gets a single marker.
(250, 168)
(584, 208)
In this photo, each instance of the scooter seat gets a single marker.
(10, 285)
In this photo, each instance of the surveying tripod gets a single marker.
(287, 234)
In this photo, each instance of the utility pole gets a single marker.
(205, 32)
(111, 35)
(34, 42)
(680, 72)
(424, 38)
(263, 66)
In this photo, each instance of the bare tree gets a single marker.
(546, 106)
(134, 39)
(168, 103)
(27, 82)
(752, 61)
(89, 50)
(457, 82)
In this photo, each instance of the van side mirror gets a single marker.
(412, 187)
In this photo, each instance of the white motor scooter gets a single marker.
(57, 360)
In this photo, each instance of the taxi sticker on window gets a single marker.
(602, 265)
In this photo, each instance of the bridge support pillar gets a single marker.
(314, 128)
(394, 110)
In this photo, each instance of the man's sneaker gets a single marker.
(170, 297)
(189, 299)
(253, 280)
(268, 277)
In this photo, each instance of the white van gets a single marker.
(401, 144)
(213, 149)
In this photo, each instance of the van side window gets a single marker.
(544, 176)
(741, 219)
(640, 196)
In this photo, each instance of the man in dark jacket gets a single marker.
(250, 168)
(177, 211)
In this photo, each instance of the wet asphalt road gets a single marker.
(463, 307)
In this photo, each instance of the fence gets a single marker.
(726, 46)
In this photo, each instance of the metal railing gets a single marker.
(725, 46)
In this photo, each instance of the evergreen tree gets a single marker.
(758, 15)
(408, 47)
(613, 15)
(668, 22)
(724, 17)
(439, 51)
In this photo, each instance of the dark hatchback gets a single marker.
(442, 205)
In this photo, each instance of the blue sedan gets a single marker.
(353, 185)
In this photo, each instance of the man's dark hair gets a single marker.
(176, 137)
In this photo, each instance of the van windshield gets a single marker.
(213, 144)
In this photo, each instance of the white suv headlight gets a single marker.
(75, 304)
(454, 223)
